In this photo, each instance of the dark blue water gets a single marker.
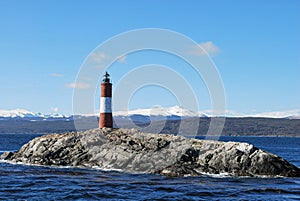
(21, 182)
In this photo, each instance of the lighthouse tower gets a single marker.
(106, 119)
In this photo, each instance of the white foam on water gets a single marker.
(107, 169)
(220, 175)
(228, 175)
(8, 150)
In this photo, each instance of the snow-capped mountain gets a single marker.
(16, 113)
(293, 117)
(141, 115)
(24, 114)
(155, 114)
(160, 111)
(288, 114)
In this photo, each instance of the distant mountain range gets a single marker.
(139, 115)
(161, 111)
(170, 120)
(142, 115)
(22, 113)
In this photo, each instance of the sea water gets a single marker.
(23, 182)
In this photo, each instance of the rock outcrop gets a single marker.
(137, 152)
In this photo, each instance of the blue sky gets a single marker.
(257, 43)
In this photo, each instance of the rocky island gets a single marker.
(130, 150)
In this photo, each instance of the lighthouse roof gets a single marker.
(106, 78)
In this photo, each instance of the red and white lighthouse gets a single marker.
(106, 119)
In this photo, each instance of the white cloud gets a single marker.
(99, 57)
(56, 75)
(78, 85)
(122, 59)
(54, 109)
(205, 48)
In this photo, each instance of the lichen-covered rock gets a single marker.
(133, 151)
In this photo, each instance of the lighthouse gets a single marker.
(106, 119)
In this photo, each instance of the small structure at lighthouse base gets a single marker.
(106, 119)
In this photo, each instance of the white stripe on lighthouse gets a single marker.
(105, 105)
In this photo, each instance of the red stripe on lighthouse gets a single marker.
(106, 119)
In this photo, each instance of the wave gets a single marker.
(273, 190)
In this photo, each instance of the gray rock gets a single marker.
(133, 151)
(6, 155)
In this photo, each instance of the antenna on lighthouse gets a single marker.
(106, 120)
(106, 77)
